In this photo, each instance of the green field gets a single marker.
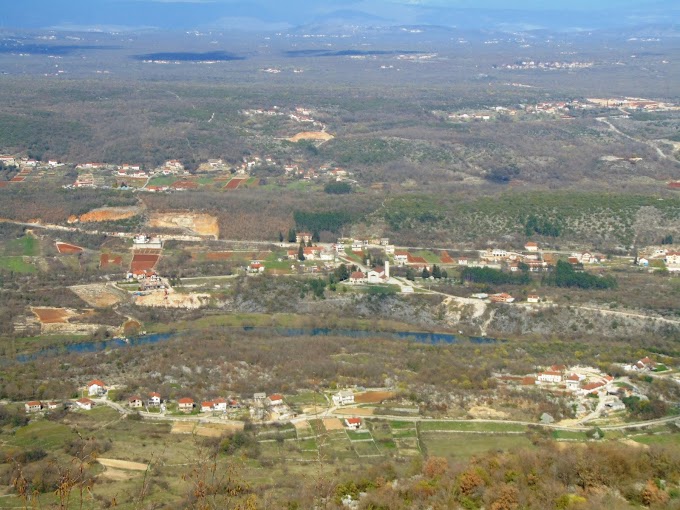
(43, 434)
(27, 246)
(16, 265)
(470, 426)
(463, 446)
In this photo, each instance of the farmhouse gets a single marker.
(573, 382)
(219, 404)
(531, 246)
(401, 257)
(503, 297)
(96, 388)
(256, 267)
(33, 406)
(85, 403)
(357, 277)
(154, 399)
(532, 298)
(275, 400)
(206, 406)
(135, 402)
(550, 377)
(343, 398)
(353, 423)
(186, 404)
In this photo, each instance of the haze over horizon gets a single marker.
(267, 15)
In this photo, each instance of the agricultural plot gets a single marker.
(16, 265)
(67, 249)
(471, 426)
(373, 397)
(52, 315)
(235, 182)
(462, 446)
(108, 260)
(143, 261)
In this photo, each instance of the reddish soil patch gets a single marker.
(51, 315)
(234, 183)
(110, 260)
(219, 255)
(68, 248)
(17, 179)
(141, 261)
(672, 185)
(3, 184)
(184, 185)
(446, 258)
(373, 397)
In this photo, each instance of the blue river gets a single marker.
(116, 343)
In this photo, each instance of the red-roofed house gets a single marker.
(186, 404)
(303, 237)
(154, 399)
(503, 297)
(357, 277)
(550, 376)
(353, 423)
(573, 382)
(85, 403)
(33, 406)
(219, 404)
(531, 246)
(256, 267)
(275, 400)
(96, 388)
(207, 406)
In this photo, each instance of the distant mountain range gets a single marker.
(269, 15)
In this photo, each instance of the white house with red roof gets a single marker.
(154, 399)
(135, 402)
(353, 423)
(85, 403)
(207, 406)
(33, 406)
(531, 246)
(186, 404)
(550, 376)
(219, 404)
(275, 400)
(96, 388)
(357, 277)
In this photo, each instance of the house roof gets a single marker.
(219, 400)
(572, 377)
(132, 399)
(186, 400)
(354, 421)
(207, 404)
(97, 382)
(155, 394)
(531, 243)
(276, 396)
(357, 275)
(85, 400)
(34, 403)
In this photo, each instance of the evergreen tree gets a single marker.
(425, 274)
(291, 235)
(280, 236)
(436, 272)
(316, 237)
(410, 274)
(301, 252)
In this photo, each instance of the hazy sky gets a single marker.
(270, 14)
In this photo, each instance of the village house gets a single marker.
(353, 423)
(401, 257)
(462, 261)
(219, 404)
(357, 245)
(389, 249)
(312, 252)
(96, 388)
(303, 237)
(532, 298)
(154, 399)
(206, 407)
(256, 268)
(379, 274)
(259, 397)
(33, 406)
(343, 398)
(357, 277)
(573, 382)
(672, 261)
(85, 403)
(52, 405)
(503, 297)
(135, 402)
(275, 400)
(531, 246)
(550, 376)
(186, 404)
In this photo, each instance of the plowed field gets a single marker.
(68, 248)
(141, 261)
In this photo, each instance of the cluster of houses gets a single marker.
(585, 257)
(187, 405)
(642, 365)
(670, 257)
(579, 380)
